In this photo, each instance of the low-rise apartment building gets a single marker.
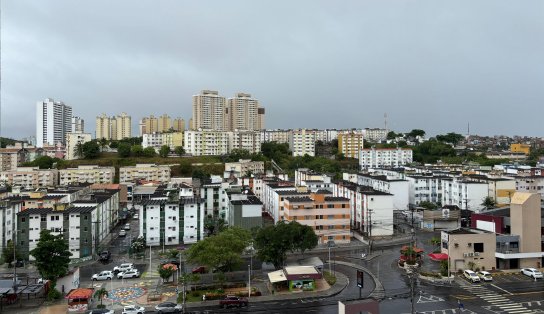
(329, 216)
(146, 172)
(384, 157)
(73, 140)
(245, 167)
(87, 174)
(302, 142)
(464, 193)
(350, 143)
(30, 177)
(246, 140)
(399, 188)
(206, 142)
(278, 136)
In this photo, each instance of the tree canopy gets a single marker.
(123, 150)
(452, 138)
(7, 253)
(91, 150)
(164, 151)
(273, 242)
(149, 152)
(52, 255)
(222, 251)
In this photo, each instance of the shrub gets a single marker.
(53, 294)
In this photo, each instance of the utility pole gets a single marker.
(369, 211)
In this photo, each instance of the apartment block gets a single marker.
(350, 143)
(329, 216)
(149, 125)
(425, 188)
(53, 121)
(245, 166)
(246, 140)
(244, 113)
(8, 219)
(146, 172)
(172, 222)
(375, 134)
(302, 142)
(78, 125)
(178, 124)
(399, 188)
(207, 142)
(30, 177)
(384, 157)
(157, 140)
(103, 127)
(72, 142)
(278, 136)
(87, 174)
(121, 127)
(244, 209)
(209, 111)
(464, 193)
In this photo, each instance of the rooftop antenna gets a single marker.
(468, 129)
(385, 120)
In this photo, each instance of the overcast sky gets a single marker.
(433, 65)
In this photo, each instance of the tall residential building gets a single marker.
(103, 127)
(164, 123)
(123, 127)
(53, 121)
(78, 125)
(209, 111)
(149, 125)
(178, 124)
(243, 113)
(350, 143)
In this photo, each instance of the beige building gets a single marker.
(146, 172)
(350, 143)
(278, 136)
(246, 140)
(164, 123)
(87, 174)
(469, 249)
(72, 141)
(329, 216)
(123, 127)
(209, 111)
(302, 142)
(244, 113)
(245, 166)
(149, 125)
(30, 177)
(178, 124)
(525, 220)
(103, 127)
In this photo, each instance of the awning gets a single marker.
(276, 276)
(438, 256)
(80, 293)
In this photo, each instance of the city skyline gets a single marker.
(432, 66)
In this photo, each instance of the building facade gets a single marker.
(87, 174)
(78, 125)
(146, 172)
(302, 142)
(209, 111)
(384, 157)
(243, 113)
(30, 177)
(206, 142)
(103, 127)
(350, 143)
(53, 121)
(72, 142)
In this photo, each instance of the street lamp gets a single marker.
(249, 282)
(330, 244)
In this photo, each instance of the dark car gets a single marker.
(199, 270)
(232, 300)
(19, 263)
(104, 256)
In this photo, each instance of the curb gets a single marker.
(379, 292)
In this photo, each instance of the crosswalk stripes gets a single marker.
(496, 300)
(446, 311)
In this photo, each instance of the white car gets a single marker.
(127, 227)
(103, 275)
(471, 276)
(133, 309)
(101, 311)
(484, 275)
(136, 216)
(123, 267)
(132, 273)
(531, 272)
(122, 233)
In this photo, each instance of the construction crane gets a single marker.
(276, 167)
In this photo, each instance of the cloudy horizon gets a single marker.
(312, 64)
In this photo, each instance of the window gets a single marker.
(23, 219)
(85, 229)
(479, 247)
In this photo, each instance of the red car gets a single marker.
(199, 270)
(232, 300)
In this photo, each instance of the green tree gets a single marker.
(149, 152)
(7, 253)
(91, 150)
(415, 133)
(78, 152)
(179, 150)
(114, 144)
(428, 205)
(237, 154)
(138, 245)
(43, 162)
(103, 143)
(304, 237)
(101, 294)
(123, 150)
(222, 251)
(391, 135)
(137, 150)
(488, 202)
(165, 272)
(52, 256)
(214, 225)
(452, 138)
(164, 151)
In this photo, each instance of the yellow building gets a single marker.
(173, 139)
(520, 148)
(350, 143)
(164, 123)
(178, 124)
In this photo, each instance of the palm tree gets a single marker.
(488, 202)
(100, 294)
(78, 152)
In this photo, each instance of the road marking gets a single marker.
(510, 293)
(429, 299)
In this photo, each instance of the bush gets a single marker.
(195, 293)
(53, 294)
(101, 306)
(430, 274)
(330, 278)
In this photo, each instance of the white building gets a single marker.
(30, 177)
(8, 219)
(244, 167)
(278, 136)
(247, 140)
(302, 142)
(207, 142)
(53, 121)
(533, 184)
(78, 125)
(375, 134)
(384, 157)
(464, 193)
(146, 172)
(87, 174)
(399, 188)
(425, 188)
(72, 141)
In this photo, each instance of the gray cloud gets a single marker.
(430, 65)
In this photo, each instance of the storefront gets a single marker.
(79, 300)
(295, 278)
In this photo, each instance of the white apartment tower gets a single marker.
(78, 125)
(244, 113)
(53, 121)
(209, 111)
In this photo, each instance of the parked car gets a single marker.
(123, 267)
(531, 272)
(132, 273)
(101, 311)
(103, 275)
(484, 275)
(19, 263)
(136, 216)
(232, 300)
(471, 276)
(133, 309)
(122, 233)
(168, 307)
(199, 270)
(104, 256)
(127, 227)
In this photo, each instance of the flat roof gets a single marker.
(300, 270)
